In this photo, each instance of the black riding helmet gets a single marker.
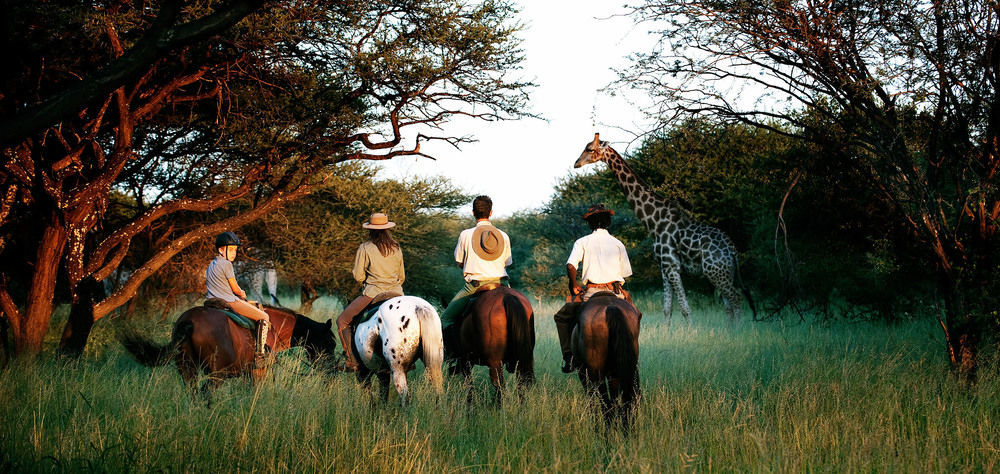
(226, 238)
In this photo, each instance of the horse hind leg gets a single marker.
(383, 386)
(399, 380)
(496, 379)
(629, 401)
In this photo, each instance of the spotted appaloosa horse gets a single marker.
(404, 329)
(606, 342)
(206, 340)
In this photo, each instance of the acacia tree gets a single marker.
(902, 92)
(232, 127)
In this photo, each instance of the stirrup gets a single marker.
(259, 360)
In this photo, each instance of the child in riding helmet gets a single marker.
(220, 282)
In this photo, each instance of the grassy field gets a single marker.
(757, 397)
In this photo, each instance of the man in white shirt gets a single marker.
(483, 254)
(604, 269)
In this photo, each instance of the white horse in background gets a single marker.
(404, 329)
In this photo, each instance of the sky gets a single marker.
(570, 49)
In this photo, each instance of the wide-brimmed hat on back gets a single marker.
(597, 209)
(378, 221)
(487, 242)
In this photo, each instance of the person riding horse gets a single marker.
(605, 267)
(483, 254)
(220, 282)
(378, 266)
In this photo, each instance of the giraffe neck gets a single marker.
(645, 203)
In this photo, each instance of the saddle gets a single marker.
(221, 305)
(372, 307)
(607, 289)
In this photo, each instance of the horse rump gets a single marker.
(520, 336)
(149, 353)
(624, 360)
(624, 355)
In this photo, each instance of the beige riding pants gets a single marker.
(249, 310)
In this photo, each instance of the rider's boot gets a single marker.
(450, 339)
(347, 339)
(565, 319)
(260, 355)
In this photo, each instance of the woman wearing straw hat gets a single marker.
(378, 266)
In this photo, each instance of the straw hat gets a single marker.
(378, 221)
(487, 242)
(597, 209)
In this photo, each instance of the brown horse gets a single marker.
(205, 340)
(498, 332)
(606, 342)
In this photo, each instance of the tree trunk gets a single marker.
(77, 330)
(4, 341)
(38, 307)
(962, 336)
(81, 317)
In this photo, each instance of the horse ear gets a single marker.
(329, 323)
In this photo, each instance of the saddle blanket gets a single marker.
(221, 305)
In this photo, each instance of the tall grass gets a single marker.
(754, 397)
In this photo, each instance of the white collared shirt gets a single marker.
(473, 266)
(604, 258)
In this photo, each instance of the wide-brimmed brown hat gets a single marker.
(378, 221)
(597, 209)
(487, 242)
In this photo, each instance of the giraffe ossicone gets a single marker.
(680, 241)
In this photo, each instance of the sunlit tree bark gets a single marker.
(231, 126)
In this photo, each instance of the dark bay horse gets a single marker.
(606, 342)
(205, 340)
(498, 332)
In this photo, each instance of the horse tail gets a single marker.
(520, 330)
(431, 344)
(746, 291)
(623, 352)
(149, 353)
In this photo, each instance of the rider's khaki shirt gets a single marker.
(378, 273)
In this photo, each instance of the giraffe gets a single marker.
(681, 242)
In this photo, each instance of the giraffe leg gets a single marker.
(675, 282)
(668, 299)
(721, 276)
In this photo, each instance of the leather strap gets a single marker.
(487, 287)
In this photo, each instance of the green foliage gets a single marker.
(314, 241)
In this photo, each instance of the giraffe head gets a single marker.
(594, 152)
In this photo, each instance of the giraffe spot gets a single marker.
(647, 208)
